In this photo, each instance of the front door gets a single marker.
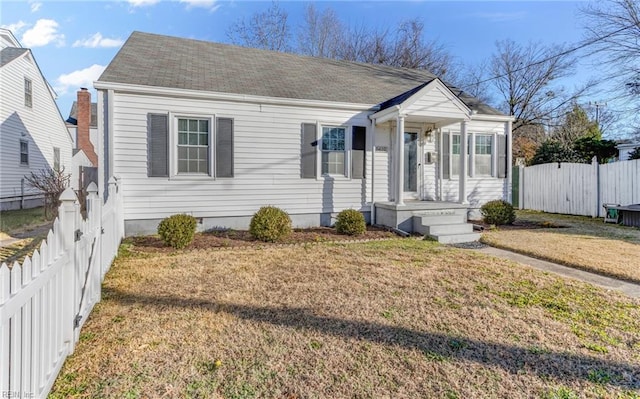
(411, 165)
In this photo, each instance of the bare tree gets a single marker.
(473, 79)
(266, 30)
(50, 182)
(321, 33)
(525, 78)
(614, 28)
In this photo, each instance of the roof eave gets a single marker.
(244, 98)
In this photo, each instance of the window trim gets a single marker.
(173, 147)
(28, 92)
(347, 150)
(26, 143)
(472, 155)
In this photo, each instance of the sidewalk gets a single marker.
(630, 289)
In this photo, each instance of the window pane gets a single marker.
(182, 166)
(182, 153)
(483, 165)
(182, 138)
(204, 126)
(204, 139)
(193, 166)
(193, 153)
(193, 125)
(203, 166)
(193, 139)
(182, 125)
(202, 153)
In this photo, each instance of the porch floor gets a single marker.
(417, 205)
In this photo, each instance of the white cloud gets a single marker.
(211, 5)
(81, 78)
(142, 3)
(44, 32)
(35, 6)
(15, 28)
(98, 41)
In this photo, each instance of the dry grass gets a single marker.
(394, 319)
(584, 243)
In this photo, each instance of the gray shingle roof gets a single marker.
(9, 54)
(163, 61)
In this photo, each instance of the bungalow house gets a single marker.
(33, 135)
(625, 148)
(217, 131)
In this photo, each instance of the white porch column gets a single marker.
(400, 161)
(464, 163)
(507, 132)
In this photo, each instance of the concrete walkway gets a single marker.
(630, 289)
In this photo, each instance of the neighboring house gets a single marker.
(83, 127)
(33, 135)
(625, 148)
(217, 131)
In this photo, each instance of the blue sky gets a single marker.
(74, 40)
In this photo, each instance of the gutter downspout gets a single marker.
(373, 168)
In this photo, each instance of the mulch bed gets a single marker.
(521, 225)
(242, 238)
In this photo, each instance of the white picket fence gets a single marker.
(45, 301)
(579, 189)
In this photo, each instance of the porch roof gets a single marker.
(432, 102)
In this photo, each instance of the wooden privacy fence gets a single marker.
(579, 189)
(45, 301)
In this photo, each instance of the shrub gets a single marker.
(177, 231)
(498, 212)
(270, 224)
(351, 222)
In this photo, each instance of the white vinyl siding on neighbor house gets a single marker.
(266, 161)
(41, 126)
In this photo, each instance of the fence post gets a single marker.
(596, 171)
(521, 187)
(114, 190)
(93, 203)
(67, 215)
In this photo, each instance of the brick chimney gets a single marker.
(83, 116)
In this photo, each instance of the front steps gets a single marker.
(447, 226)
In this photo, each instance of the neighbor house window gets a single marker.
(28, 93)
(333, 150)
(484, 152)
(24, 152)
(56, 158)
(193, 146)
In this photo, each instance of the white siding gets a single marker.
(266, 167)
(436, 104)
(382, 165)
(41, 125)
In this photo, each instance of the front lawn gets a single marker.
(575, 241)
(399, 319)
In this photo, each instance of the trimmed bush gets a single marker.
(498, 212)
(350, 222)
(270, 224)
(177, 231)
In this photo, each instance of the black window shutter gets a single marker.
(445, 156)
(224, 147)
(158, 145)
(502, 156)
(358, 152)
(309, 151)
